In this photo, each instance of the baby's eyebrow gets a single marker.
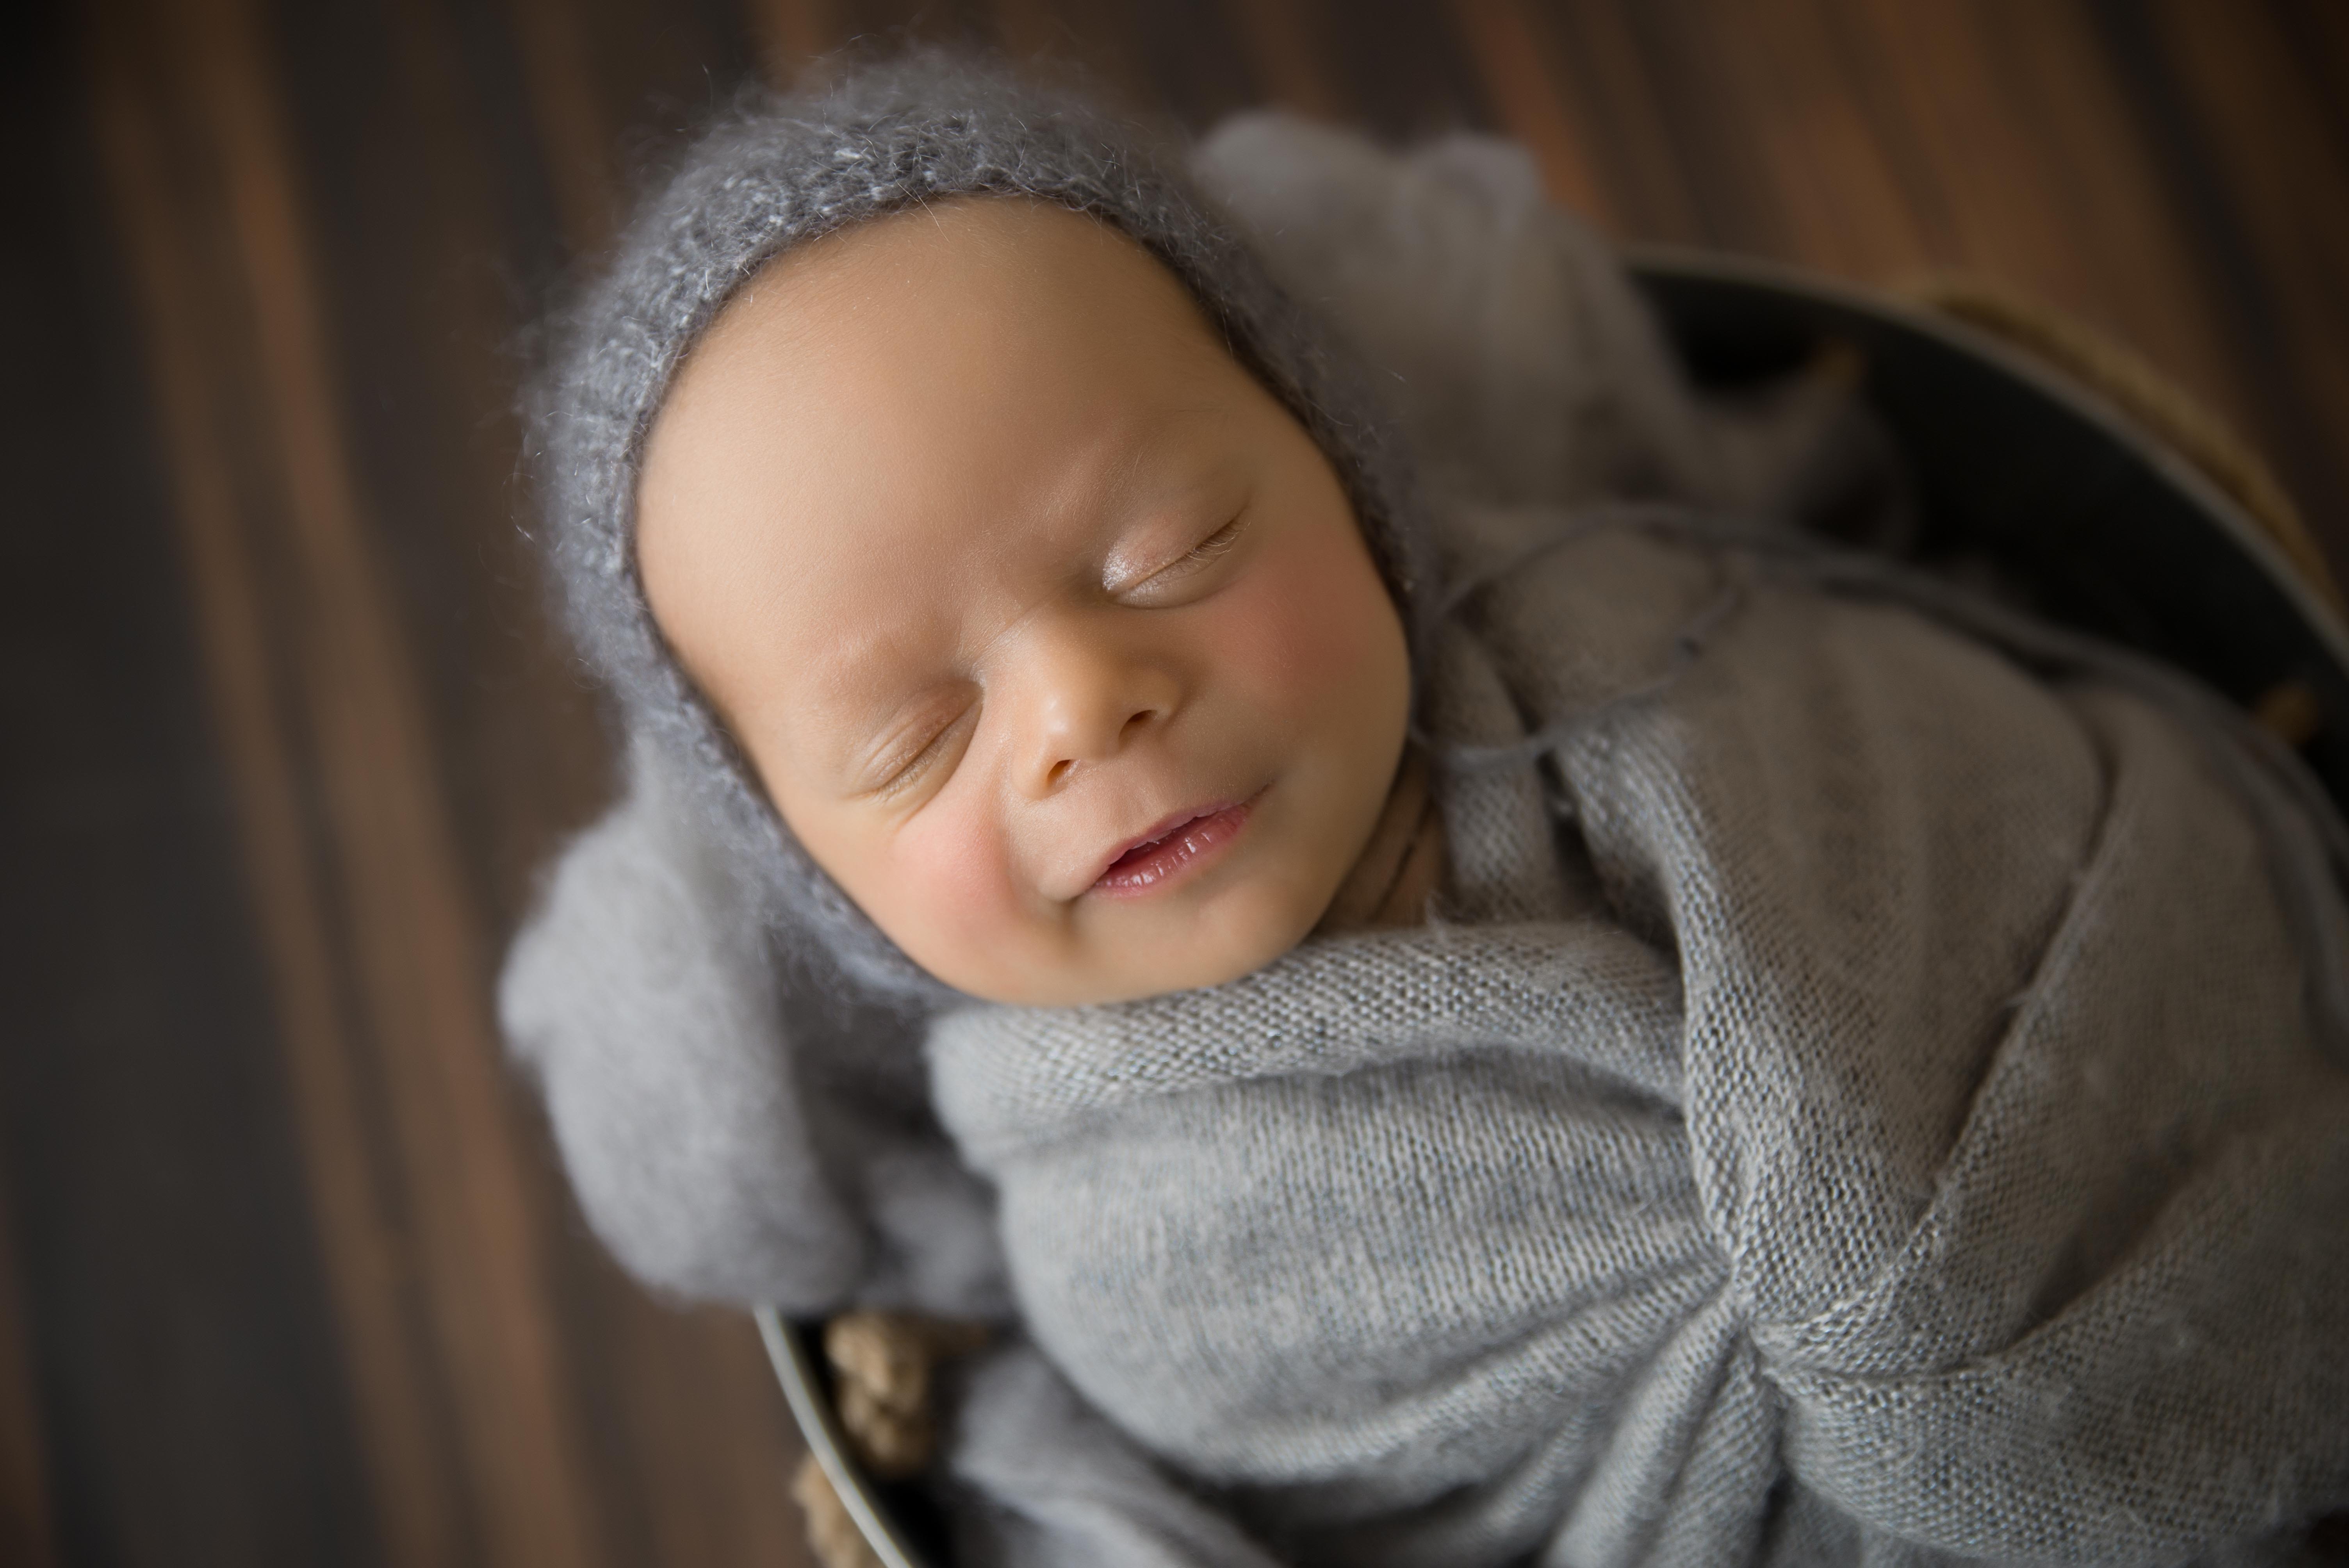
(1172, 429)
(1165, 466)
(853, 681)
(1166, 428)
(847, 739)
(867, 683)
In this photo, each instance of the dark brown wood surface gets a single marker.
(287, 1273)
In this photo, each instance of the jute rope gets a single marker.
(884, 1366)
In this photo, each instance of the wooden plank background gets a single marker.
(286, 1273)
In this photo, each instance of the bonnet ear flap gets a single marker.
(643, 996)
(1504, 333)
(1500, 330)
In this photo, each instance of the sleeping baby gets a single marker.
(1249, 787)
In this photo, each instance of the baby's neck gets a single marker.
(1400, 868)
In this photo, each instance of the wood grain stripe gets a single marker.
(791, 33)
(2020, 152)
(26, 1537)
(456, 1232)
(1510, 54)
(2212, 201)
(1599, 79)
(2277, 140)
(1813, 152)
(359, 1240)
(556, 80)
(419, 963)
(1287, 55)
(1043, 30)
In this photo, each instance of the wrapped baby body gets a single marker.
(1874, 1090)
(1864, 1095)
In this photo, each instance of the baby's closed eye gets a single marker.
(1163, 583)
(927, 742)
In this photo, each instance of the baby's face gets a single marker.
(1049, 631)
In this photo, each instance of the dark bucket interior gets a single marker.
(2104, 530)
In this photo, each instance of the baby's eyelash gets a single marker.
(1215, 544)
(1199, 556)
(919, 765)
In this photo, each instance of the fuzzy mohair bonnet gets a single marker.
(781, 170)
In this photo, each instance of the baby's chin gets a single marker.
(1124, 951)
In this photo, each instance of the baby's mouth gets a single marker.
(1172, 849)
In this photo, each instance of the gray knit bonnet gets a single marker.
(776, 172)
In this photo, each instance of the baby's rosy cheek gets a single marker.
(1300, 630)
(953, 874)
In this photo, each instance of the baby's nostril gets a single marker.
(1058, 771)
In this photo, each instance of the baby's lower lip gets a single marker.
(1147, 868)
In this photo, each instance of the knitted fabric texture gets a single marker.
(1866, 1105)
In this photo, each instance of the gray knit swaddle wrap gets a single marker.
(1862, 1106)
(1899, 1077)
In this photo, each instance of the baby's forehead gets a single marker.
(986, 253)
(922, 407)
(892, 337)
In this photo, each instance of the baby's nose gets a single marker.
(1090, 700)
